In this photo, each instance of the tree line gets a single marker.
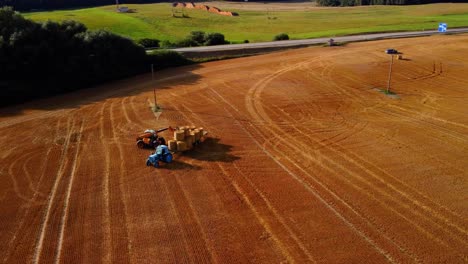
(25, 5)
(42, 59)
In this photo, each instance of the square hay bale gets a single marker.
(172, 145)
(196, 133)
(190, 140)
(179, 135)
(181, 146)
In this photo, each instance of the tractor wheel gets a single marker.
(140, 144)
(156, 164)
(148, 162)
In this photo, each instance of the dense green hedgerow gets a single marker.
(41, 59)
(149, 43)
(281, 36)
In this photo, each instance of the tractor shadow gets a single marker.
(212, 150)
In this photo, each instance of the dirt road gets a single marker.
(307, 162)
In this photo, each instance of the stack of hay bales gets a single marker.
(184, 138)
(202, 7)
(211, 9)
(214, 9)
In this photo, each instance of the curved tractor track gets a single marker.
(307, 162)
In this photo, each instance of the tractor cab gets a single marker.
(162, 154)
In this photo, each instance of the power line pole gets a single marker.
(390, 74)
(154, 87)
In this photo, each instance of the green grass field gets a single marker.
(155, 21)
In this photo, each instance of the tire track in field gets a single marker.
(253, 108)
(16, 186)
(35, 116)
(173, 223)
(262, 115)
(334, 85)
(204, 248)
(107, 258)
(207, 245)
(244, 234)
(230, 180)
(194, 238)
(281, 246)
(124, 109)
(362, 99)
(314, 192)
(331, 82)
(375, 187)
(267, 120)
(334, 195)
(34, 155)
(53, 193)
(363, 219)
(65, 212)
(277, 216)
(121, 197)
(441, 219)
(359, 189)
(440, 120)
(133, 119)
(23, 218)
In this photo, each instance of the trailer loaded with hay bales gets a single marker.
(185, 138)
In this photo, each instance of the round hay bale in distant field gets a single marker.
(172, 145)
(192, 127)
(181, 146)
(179, 135)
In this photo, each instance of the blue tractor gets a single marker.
(162, 153)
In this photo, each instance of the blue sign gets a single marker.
(442, 27)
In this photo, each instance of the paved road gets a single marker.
(306, 42)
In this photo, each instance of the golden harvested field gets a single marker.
(306, 162)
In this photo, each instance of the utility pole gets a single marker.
(154, 87)
(390, 74)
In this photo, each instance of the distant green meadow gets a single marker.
(156, 21)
